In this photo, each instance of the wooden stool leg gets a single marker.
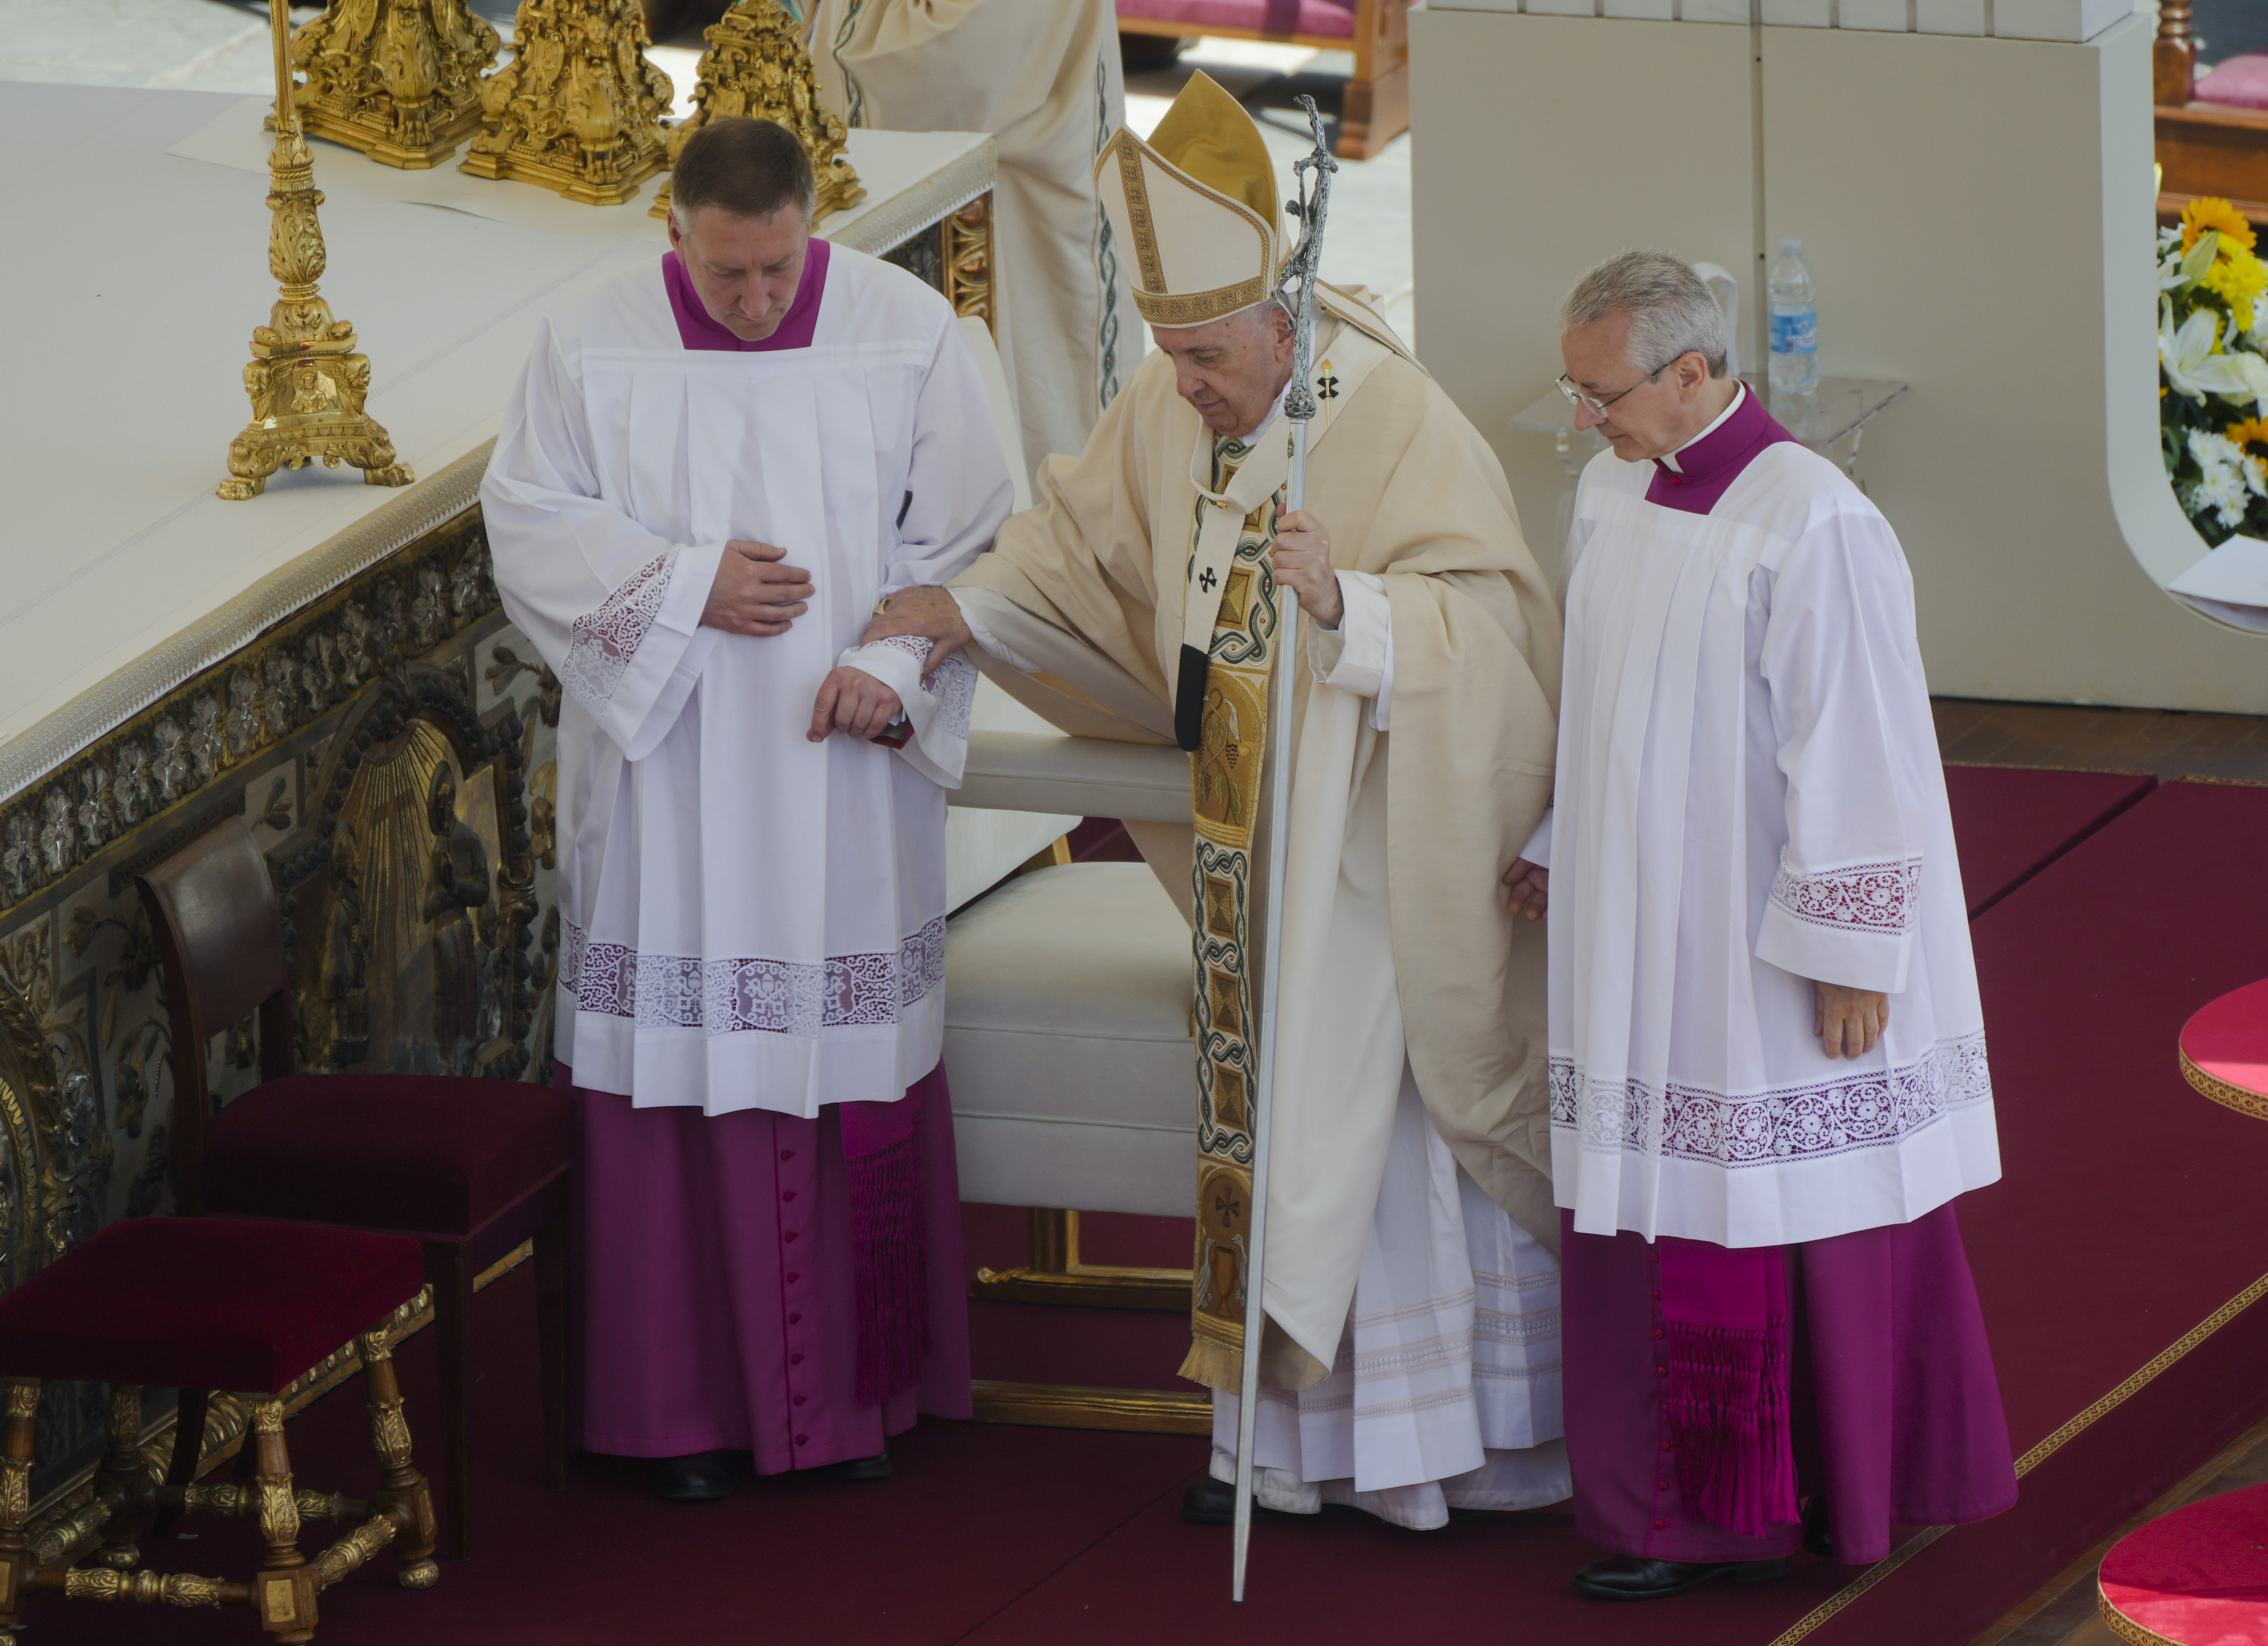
(121, 1480)
(452, 1301)
(401, 1490)
(18, 1435)
(551, 1341)
(285, 1584)
(188, 1453)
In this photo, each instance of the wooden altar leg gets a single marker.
(402, 1491)
(18, 1436)
(121, 1480)
(285, 1584)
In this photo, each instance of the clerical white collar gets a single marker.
(1731, 406)
(1274, 412)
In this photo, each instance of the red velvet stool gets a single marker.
(199, 1304)
(2224, 1050)
(468, 1168)
(2195, 1577)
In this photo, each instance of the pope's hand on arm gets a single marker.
(1303, 558)
(929, 612)
(756, 592)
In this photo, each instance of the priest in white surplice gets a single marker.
(716, 464)
(1767, 1051)
(1043, 78)
(1410, 1363)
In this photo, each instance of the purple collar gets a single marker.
(696, 330)
(1714, 461)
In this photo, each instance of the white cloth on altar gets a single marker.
(1043, 78)
(1749, 797)
(1444, 1394)
(752, 920)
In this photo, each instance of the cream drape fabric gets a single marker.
(1043, 78)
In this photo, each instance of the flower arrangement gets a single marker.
(2212, 325)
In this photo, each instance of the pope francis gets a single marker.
(1409, 1364)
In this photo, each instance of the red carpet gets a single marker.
(2008, 822)
(2131, 1212)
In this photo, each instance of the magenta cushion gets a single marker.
(2241, 81)
(204, 1303)
(1334, 18)
(430, 1155)
(2198, 1574)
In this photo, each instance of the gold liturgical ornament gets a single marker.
(399, 80)
(755, 66)
(578, 109)
(306, 379)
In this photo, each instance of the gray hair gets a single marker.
(1672, 313)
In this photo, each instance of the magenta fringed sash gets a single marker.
(882, 1145)
(1724, 1312)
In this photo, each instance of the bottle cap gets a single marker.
(1790, 248)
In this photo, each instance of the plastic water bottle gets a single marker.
(1794, 323)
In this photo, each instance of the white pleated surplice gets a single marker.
(1750, 799)
(752, 920)
(1444, 1392)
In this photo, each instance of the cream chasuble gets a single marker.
(1751, 798)
(752, 920)
(1404, 948)
(1043, 78)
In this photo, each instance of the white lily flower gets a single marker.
(2191, 368)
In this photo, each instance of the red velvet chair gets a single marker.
(203, 1303)
(1377, 32)
(469, 1168)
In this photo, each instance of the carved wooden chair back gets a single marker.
(219, 934)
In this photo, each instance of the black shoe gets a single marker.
(1211, 1503)
(702, 1477)
(1817, 1539)
(876, 1467)
(1637, 1577)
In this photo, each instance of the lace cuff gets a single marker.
(1851, 925)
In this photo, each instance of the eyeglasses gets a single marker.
(1576, 398)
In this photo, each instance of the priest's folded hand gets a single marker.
(853, 701)
(756, 592)
(1303, 558)
(927, 611)
(1530, 884)
(1849, 1021)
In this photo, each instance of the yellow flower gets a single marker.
(2239, 279)
(2251, 435)
(2200, 215)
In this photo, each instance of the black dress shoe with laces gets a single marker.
(701, 1477)
(876, 1467)
(1211, 1503)
(1638, 1577)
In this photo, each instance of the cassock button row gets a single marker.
(805, 1440)
(1665, 1444)
(1659, 1486)
(787, 1154)
(789, 1195)
(796, 1319)
(789, 1236)
(1653, 1254)
(797, 1360)
(1659, 1525)
(800, 1399)
(1659, 1371)
(1658, 1332)
(792, 1277)
(1657, 1296)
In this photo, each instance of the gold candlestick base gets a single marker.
(578, 109)
(756, 66)
(307, 381)
(398, 79)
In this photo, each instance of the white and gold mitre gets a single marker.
(1198, 206)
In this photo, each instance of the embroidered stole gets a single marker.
(1220, 715)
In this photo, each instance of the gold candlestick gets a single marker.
(306, 379)
(399, 80)
(578, 109)
(756, 66)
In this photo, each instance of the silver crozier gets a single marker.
(1312, 180)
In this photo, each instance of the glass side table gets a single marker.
(1836, 415)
